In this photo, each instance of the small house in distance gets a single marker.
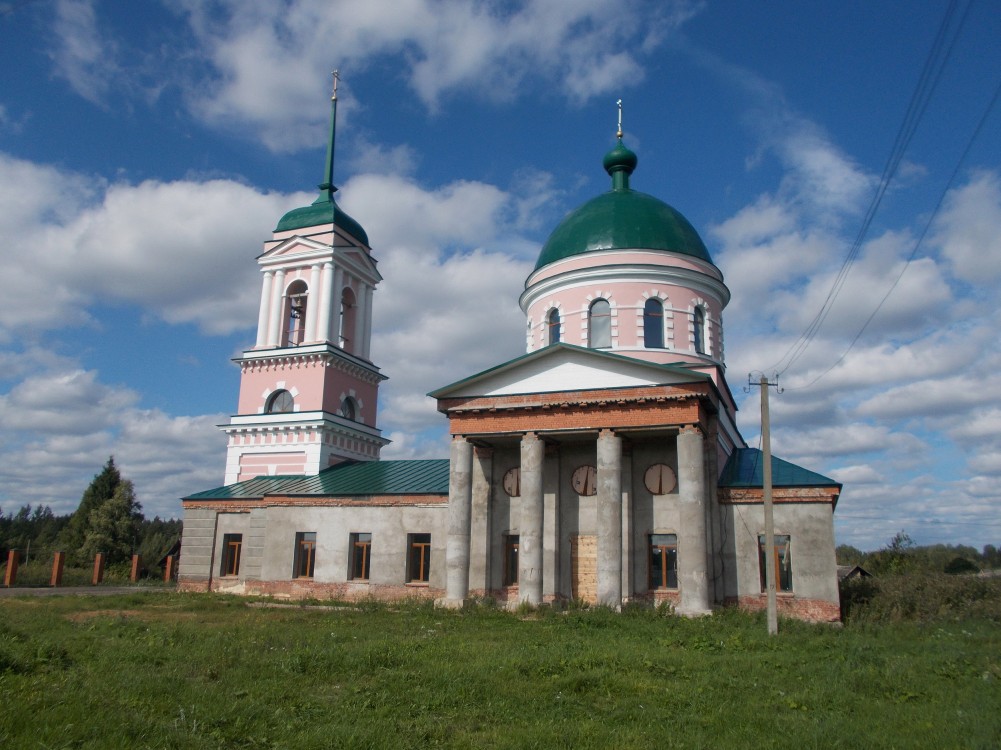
(603, 465)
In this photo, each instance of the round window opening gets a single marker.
(280, 402)
(348, 410)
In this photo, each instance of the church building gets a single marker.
(603, 465)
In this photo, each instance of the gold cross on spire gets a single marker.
(619, 133)
(337, 77)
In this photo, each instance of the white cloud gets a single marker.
(264, 57)
(180, 250)
(81, 53)
(60, 424)
(967, 229)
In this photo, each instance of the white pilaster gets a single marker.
(265, 309)
(326, 302)
(367, 335)
(334, 332)
(312, 303)
(277, 298)
(358, 334)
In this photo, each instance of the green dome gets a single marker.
(324, 210)
(622, 219)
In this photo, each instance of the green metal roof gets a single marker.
(745, 468)
(324, 210)
(622, 219)
(413, 477)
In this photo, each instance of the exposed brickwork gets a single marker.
(643, 394)
(557, 417)
(750, 495)
(366, 501)
(810, 610)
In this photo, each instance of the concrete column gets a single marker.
(335, 307)
(460, 498)
(628, 542)
(609, 481)
(275, 319)
(312, 304)
(262, 315)
(551, 525)
(479, 534)
(530, 528)
(693, 577)
(326, 302)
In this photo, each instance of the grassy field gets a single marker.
(160, 669)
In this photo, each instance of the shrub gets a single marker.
(921, 597)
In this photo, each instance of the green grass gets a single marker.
(170, 670)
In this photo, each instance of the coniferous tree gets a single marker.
(113, 526)
(100, 490)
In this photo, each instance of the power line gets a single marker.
(931, 73)
(920, 239)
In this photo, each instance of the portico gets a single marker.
(564, 474)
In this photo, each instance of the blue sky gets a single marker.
(147, 150)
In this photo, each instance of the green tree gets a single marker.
(101, 489)
(846, 554)
(113, 527)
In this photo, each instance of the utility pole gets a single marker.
(766, 489)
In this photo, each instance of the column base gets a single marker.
(446, 603)
(692, 612)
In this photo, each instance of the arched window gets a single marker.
(295, 313)
(599, 328)
(348, 309)
(699, 326)
(280, 402)
(653, 324)
(553, 322)
(348, 409)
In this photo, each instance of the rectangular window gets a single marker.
(511, 543)
(663, 561)
(418, 558)
(232, 544)
(361, 551)
(305, 554)
(783, 562)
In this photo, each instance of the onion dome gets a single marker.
(622, 219)
(324, 210)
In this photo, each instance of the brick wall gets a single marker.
(810, 610)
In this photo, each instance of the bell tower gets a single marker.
(308, 390)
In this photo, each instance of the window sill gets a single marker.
(418, 584)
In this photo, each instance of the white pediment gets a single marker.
(567, 368)
(294, 246)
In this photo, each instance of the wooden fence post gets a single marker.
(168, 569)
(57, 569)
(10, 577)
(98, 569)
(137, 563)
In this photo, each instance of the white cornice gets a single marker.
(298, 356)
(290, 422)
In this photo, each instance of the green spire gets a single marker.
(327, 186)
(324, 209)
